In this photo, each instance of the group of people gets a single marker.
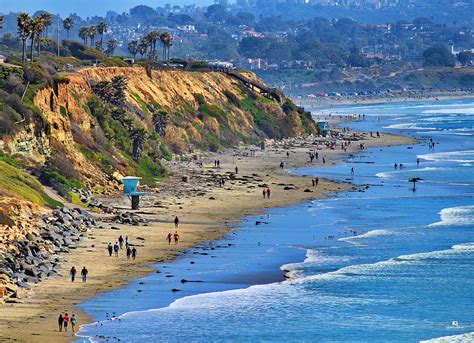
(313, 156)
(84, 273)
(377, 134)
(266, 193)
(315, 181)
(217, 163)
(172, 236)
(63, 322)
(119, 245)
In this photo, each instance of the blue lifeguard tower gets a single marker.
(130, 185)
(324, 126)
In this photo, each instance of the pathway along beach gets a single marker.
(205, 215)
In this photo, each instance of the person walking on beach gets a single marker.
(176, 237)
(268, 193)
(116, 249)
(73, 273)
(126, 242)
(60, 322)
(110, 248)
(264, 192)
(84, 273)
(120, 242)
(129, 252)
(73, 322)
(317, 181)
(134, 253)
(169, 237)
(313, 182)
(176, 221)
(236, 170)
(66, 322)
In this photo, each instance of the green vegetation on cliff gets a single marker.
(15, 182)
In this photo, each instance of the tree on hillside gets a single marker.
(438, 56)
(143, 46)
(68, 24)
(46, 21)
(1, 21)
(92, 32)
(111, 46)
(84, 34)
(23, 22)
(138, 138)
(133, 48)
(160, 121)
(152, 38)
(465, 58)
(166, 39)
(101, 30)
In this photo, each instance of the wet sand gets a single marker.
(206, 213)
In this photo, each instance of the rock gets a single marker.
(308, 190)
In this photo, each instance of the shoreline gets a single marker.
(329, 103)
(203, 220)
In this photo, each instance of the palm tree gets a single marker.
(101, 29)
(23, 22)
(414, 180)
(152, 38)
(166, 39)
(111, 46)
(92, 32)
(36, 27)
(46, 21)
(138, 136)
(133, 48)
(160, 121)
(83, 34)
(143, 46)
(68, 23)
(163, 40)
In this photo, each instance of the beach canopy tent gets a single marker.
(130, 189)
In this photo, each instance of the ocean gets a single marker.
(379, 263)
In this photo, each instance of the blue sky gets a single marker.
(86, 7)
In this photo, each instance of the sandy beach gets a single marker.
(206, 211)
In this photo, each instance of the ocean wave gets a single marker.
(350, 272)
(368, 234)
(460, 216)
(313, 258)
(409, 126)
(458, 110)
(465, 156)
(461, 338)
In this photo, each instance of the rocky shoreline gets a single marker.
(36, 256)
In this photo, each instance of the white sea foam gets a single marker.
(466, 156)
(460, 216)
(462, 110)
(462, 338)
(408, 126)
(313, 258)
(368, 234)
(369, 269)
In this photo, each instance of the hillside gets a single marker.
(108, 122)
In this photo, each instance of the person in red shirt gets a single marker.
(66, 321)
(268, 193)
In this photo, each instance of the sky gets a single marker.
(86, 8)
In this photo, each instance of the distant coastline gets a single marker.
(402, 97)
